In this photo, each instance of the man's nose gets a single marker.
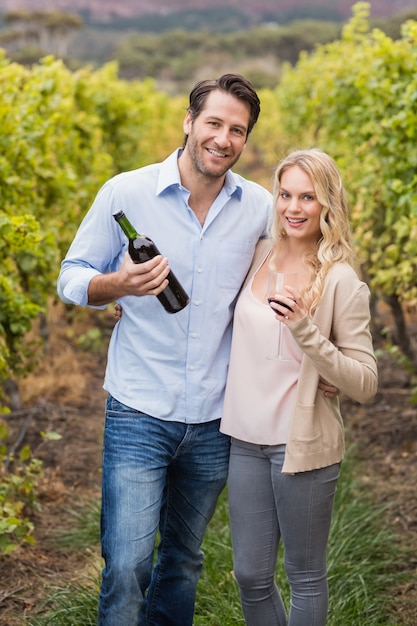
(223, 138)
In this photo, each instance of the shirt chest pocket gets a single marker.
(233, 260)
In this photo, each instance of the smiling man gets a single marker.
(164, 460)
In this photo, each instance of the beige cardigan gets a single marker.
(337, 345)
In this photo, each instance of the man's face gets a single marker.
(217, 136)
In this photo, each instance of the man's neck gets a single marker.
(203, 189)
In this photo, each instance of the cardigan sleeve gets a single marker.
(338, 341)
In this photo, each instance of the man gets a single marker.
(164, 460)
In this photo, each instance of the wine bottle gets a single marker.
(173, 298)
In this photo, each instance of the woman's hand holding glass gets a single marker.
(282, 294)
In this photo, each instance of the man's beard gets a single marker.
(199, 164)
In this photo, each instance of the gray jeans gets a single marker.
(265, 507)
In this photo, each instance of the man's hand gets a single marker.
(132, 279)
(329, 390)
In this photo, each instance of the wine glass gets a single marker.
(276, 284)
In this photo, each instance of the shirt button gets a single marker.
(199, 270)
(194, 335)
(197, 302)
(191, 368)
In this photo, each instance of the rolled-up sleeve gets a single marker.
(73, 284)
(97, 248)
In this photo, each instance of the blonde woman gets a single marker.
(287, 434)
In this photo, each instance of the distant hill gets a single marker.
(256, 10)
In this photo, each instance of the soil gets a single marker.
(65, 395)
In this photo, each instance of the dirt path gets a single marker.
(66, 396)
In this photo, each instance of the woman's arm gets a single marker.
(347, 360)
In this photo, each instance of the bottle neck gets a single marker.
(126, 226)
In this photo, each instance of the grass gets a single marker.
(361, 556)
(361, 563)
(70, 606)
(361, 559)
(85, 528)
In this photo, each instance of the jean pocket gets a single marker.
(114, 408)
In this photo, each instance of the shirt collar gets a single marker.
(169, 176)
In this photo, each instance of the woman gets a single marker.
(287, 435)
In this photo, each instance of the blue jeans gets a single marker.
(267, 507)
(164, 476)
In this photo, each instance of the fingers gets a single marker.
(140, 279)
(329, 390)
(289, 306)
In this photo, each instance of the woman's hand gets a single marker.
(329, 390)
(292, 308)
(118, 312)
(298, 311)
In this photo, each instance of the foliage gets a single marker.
(356, 98)
(49, 31)
(85, 527)
(19, 479)
(209, 34)
(19, 241)
(215, 19)
(179, 54)
(73, 604)
(393, 25)
(211, 41)
(62, 134)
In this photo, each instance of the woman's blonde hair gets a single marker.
(335, 242)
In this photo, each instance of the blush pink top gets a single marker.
(260, 392)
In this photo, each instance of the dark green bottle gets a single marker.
(173, 298)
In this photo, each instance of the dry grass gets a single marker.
(62, 374)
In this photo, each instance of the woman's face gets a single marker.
(297, 205)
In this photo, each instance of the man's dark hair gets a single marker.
(233, 84)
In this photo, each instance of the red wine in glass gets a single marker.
(277, 283)
(275, 301)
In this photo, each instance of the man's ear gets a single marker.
(187, 123)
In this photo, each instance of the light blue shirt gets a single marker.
(170, 366)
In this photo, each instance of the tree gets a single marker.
(49, 31)
(357, 99)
